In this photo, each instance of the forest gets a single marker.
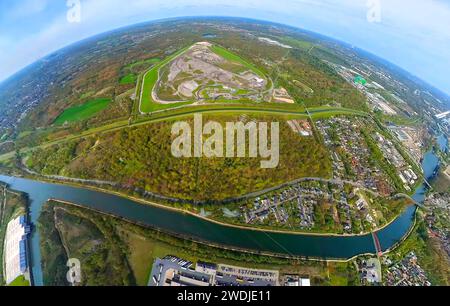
(141, 157)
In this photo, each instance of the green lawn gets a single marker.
(148, 61)
(20, 282)
(83, 111)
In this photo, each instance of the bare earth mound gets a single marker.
(202, 74)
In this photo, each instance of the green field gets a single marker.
(83, 111)
(146, 62)
(235, 58)
(297, 43)
(128, 79)
(147, 104)
(20, 282)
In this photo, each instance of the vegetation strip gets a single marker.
(212, 109)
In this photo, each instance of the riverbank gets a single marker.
(145, 245)
(191, 227)
(198, 215)
(209, 244)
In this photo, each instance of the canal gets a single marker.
(304, 245)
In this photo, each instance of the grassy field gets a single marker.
(147, 104)
(20, 282)
(130, 78)
(82, 112)
(297, 43)
(441, 183)
(229, 56)
(132, 71)
(150, 61)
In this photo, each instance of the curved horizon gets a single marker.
(162, 20)
(424, 43)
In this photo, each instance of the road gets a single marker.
(65, 178)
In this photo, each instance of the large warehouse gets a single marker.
(16, 249)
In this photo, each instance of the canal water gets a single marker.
(310, 246)
(202, 230)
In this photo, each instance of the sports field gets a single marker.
(83, 111)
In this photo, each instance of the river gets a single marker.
(310, 246)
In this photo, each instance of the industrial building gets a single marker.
(16, 249)
(174, 271)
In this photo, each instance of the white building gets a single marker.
(16, 261)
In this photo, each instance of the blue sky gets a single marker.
(414, 34)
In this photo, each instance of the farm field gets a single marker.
(82, 112)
